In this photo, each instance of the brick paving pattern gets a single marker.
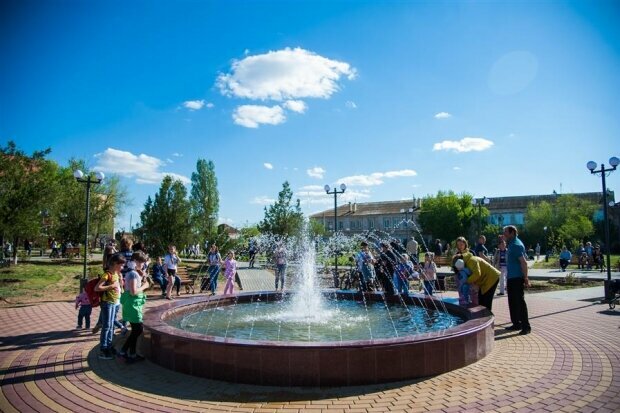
(570, 362)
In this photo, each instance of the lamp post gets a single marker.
(479, 202)
(88, 180)
(614, 162)
(335, 191)
(545, 245)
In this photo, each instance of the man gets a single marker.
(517, 280)
(412, 250)
(365, 264)
(385, 272)
(109, 250)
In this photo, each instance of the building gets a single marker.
(394, 217)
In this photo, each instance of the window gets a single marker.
(340, 225)
(386, 223)
(371, 223)
(396, 222)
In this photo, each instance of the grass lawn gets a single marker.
(24, 283)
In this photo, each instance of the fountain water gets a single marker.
(293, 338)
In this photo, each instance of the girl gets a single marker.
(171, 262)
(133, 299)
(110, 285)
(429, 273)
(215, 262)
(230, 270)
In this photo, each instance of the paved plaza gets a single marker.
(570, 362)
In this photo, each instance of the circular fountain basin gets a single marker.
(317, 356)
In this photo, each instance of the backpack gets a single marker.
(93, 296)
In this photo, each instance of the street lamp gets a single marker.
(335, 191)
(545, 245)
(479, 202)
(614, 162)
(88, 180)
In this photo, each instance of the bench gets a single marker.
(187, 280)
(72, 252)
(443, 260)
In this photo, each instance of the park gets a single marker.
(308, 206)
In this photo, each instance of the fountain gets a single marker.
(314, 337)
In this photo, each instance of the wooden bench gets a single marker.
(187, 280)
(72, 252)
(443, 260)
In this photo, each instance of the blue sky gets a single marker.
(394, 98)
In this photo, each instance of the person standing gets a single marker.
(110, 285)
(499, 260)
(438, 248)
(215, 262)
(280, 258)
(412, 250)
(365, 264)
(429, 273)
(133, 300)
(537, 250)
(480, 250)
(108, 251)
(230, 269)
(252, 252)
(517, 281)
(565, 257)
(171, 262)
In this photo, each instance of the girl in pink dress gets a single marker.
(230, 268)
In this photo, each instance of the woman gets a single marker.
(215, 262)
(483, 274)
(171, 262)
(499, 260)
(133, 299)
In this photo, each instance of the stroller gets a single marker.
(614, 290)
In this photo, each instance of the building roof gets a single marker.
(506, 203)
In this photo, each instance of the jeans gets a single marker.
(367, 278)
(214, 271)
(163, 282)
(401, 286)
(84, 314)
(108, 315)
(280, 274)
(502, 279)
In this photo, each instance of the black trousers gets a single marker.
(486, 299)
(516, 303)
(130, 344)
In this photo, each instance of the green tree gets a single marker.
(27, 187)
(283, 217)
(568, 221)
(166, 219)
(447, 215)
(106, 199)
(204, 200)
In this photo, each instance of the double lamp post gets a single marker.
(335, 192)
(88, 180)
(614, 162)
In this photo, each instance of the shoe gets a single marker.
(124, 331)
(105, 355)
(138, 358)
(96, 329)
(500, 294)
(78, 327)
(513, 328)
(525, 331)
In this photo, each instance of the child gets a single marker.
(402, 272)
(159, 276)
(109, 285)
(83, 303)
(429, 273)
(462, 287)
(133, 299)
(230, 269)
(171, 262)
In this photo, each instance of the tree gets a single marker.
(166, 219)
(106, 199)
(283, 218)
(27, 188)
(204, 200)
(447, 215)
(568, 221)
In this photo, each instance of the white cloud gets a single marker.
(298, 106)
(169, 160)
(145, 169)
(442, 115)
(350, 104)
(464, 145)
(210, 105)
(177, 155)
(315, 195)
(375, 178)
(251, 116)
(284, 74)
(262, 200)
(268, 165)
(316, 172)
(194, 104)
(456, 168)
